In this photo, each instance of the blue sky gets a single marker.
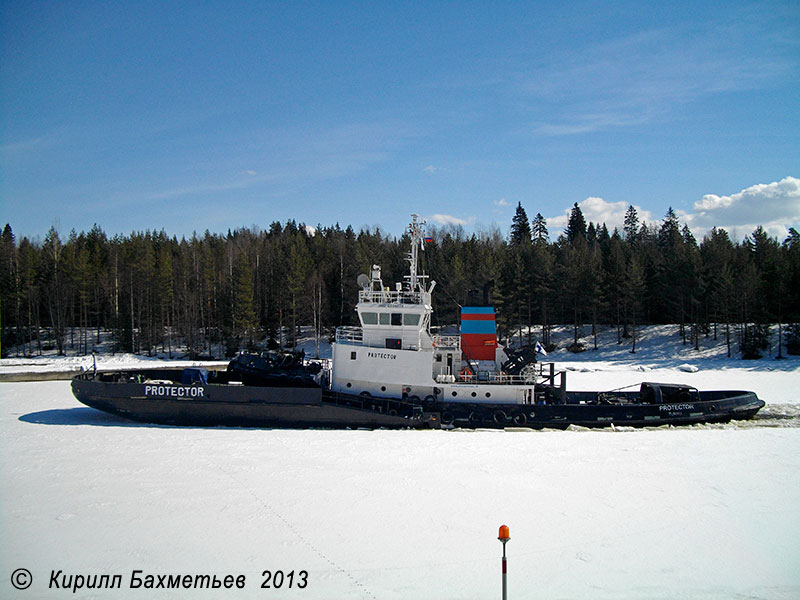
(216, 115)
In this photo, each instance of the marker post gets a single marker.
(504, 536)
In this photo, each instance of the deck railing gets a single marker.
(543, 373)
(350, 335)
(447, 341)
(393, 297)
(354, 336)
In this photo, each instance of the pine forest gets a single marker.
(212, 295)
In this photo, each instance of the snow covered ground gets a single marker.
(70, 363)
(696, 512)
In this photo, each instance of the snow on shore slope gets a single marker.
(657, 346)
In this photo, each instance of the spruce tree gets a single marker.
(631, 225)
(244, 311)
(576, 226)
(300, 265)
(54, 278)
(541, 275)
(634, 290)
(520, 228)
(669, 236)
(166, 293)
(539, 229)
(9, 291)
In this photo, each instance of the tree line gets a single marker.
(214, 294)
(649, 274)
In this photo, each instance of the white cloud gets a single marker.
(597, 210)
(449, 220)
(243, 181)
(775, 206)
(430, 169)
(28, 145)
(502, 202)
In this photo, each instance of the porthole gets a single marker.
(349, 384)
(488, 394)
(474, 394)
(383, 388)
(455, 393)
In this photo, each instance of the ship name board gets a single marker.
(174, 391)
(386, 355)
(668, 407)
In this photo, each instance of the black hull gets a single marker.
(229, 405)
(129, 395)
(582, 409)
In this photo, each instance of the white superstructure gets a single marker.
(394, 355)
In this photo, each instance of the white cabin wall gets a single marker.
(376, 368)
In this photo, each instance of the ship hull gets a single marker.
(142, 396)
(209, 405)
(585, 409)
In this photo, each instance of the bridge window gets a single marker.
(369, 318)
(384, 318)
(397, 319)
(411, 319)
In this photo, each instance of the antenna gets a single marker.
(363, 281)
(415, 229)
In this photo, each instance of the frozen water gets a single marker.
(690, 512)
(670, 513)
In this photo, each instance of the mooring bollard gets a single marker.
(504, 536)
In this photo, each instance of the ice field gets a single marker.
(673, 513)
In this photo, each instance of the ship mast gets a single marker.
(415, 230)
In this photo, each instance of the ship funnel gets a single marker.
(478, 332)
